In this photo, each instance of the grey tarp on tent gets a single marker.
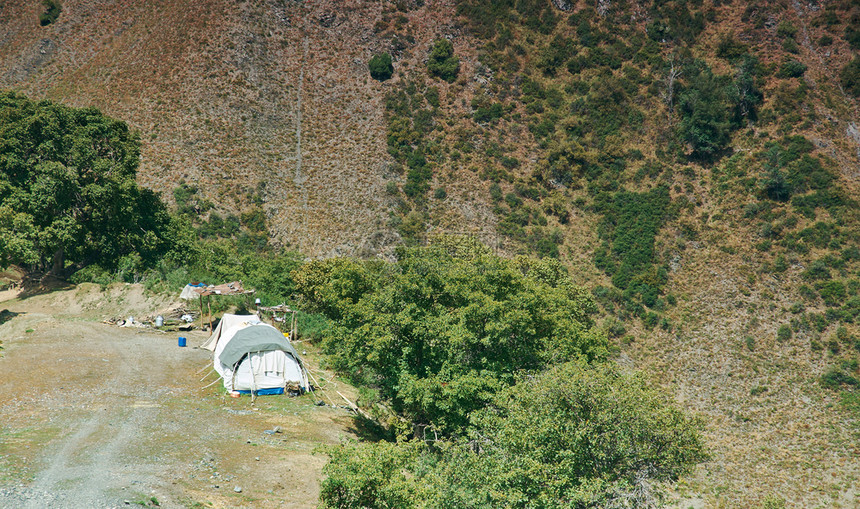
(255, 338)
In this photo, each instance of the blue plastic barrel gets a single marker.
(181, 341)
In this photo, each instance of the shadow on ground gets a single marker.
(369, 430)
(6, 315)
(39, 284)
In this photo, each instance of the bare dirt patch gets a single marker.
(95, 415)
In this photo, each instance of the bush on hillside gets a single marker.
(706, 104)
(443, 63)
(730, 48)
(51, 13)
(850, 76)
(381, 67)
(791, 69)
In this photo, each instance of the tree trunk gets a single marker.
(59, 263)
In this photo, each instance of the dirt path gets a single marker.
(94, 415)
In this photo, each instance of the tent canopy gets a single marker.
(228, 322)
(255, 338)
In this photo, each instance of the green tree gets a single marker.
(443, 63)
(69, 176)
(573, 436)
(586, 434)
(381, 67)
(748, 94)
(705, 105)
(439, 333)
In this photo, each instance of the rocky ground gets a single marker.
(95, 415)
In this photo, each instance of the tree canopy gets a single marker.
(438, 333)
(67, 187)
(572, 436)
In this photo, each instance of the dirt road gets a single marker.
(94, 415)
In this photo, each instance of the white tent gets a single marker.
(228, 322)
(255, 357)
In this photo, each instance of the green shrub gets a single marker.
(850, 76)
(730, 48)
(381, 67)
(630, 225)
(760, 389)
(786, 29)
(775, 186)
(485, 114)
(51, 13)
(554, 55)
(93, 274)
(496, 192)
(837, 377)
(706, 105)
(443, 63)
(673, 21)
(816, 270)
(791, 69)
(790, 45)
(772, 502)
(832, 292)
(852, 35)
(783, 333)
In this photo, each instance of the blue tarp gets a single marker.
(265, 392)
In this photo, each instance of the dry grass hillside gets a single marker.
(233, 96)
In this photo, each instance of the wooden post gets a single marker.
(294, 327)
(201, 311)
(209, 305)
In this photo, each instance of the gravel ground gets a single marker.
(95, 415)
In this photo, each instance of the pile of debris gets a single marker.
(175, 318)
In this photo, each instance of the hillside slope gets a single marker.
(234, 98)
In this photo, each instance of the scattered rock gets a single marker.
(238, 489)
(276, 429)
(562, 5)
